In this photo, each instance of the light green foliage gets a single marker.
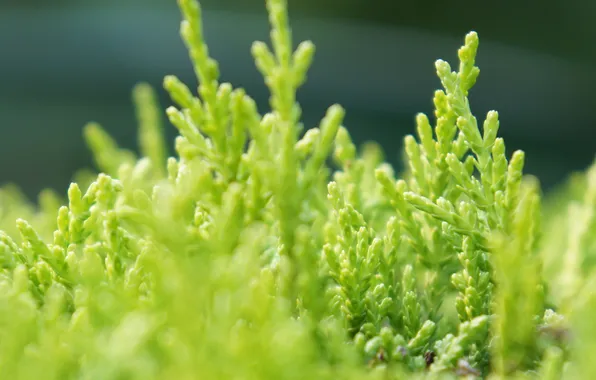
(265, 249)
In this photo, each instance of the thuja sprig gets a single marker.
(441, 170)
(578, 261)
(151, 139)
(452, 348)
(284, 72)
(519, 297)
(356, 177)
(107, 155)
(350, 261)
(473, 282)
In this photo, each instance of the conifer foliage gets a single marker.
(264, 249)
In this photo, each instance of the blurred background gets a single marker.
(66, 62)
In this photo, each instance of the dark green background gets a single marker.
(69, 62)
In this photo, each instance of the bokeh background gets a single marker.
(66, 62)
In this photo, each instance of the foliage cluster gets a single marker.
(263, 249)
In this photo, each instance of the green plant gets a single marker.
(248, 256)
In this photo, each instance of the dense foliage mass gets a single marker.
(260, 251)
